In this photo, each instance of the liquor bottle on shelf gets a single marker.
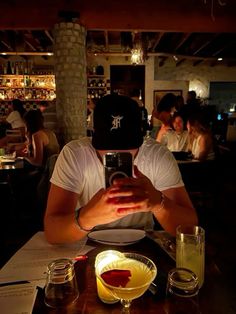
(12, 67)
(21, 69)
(9, 70)
(16, 68)
(5, 68)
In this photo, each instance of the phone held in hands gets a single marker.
(117, 165)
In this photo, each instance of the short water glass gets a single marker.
(61, 287)
(182, 292)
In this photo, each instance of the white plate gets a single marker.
(117, 236)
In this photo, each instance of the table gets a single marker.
(215, 296)
(11, 165)
(18, 190)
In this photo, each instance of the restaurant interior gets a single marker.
(155, 46)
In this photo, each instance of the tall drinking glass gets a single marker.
(190, 250)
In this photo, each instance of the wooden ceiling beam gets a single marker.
(182, 41)
(164, 56)
(219, 51)
(174, 16)
(158, 38)
(208, 42)
(49, 36)
(30, 45)
(6, 45)
(4, 39)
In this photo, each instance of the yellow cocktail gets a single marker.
(127, 277)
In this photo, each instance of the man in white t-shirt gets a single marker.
(78, 200)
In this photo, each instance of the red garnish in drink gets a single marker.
(116, 277)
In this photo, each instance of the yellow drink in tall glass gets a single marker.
(191, 257)
(190, 252)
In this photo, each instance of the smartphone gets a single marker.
(117, 165)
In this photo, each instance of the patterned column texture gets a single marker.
(71, 80)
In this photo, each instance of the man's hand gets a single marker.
(126, 196)
(136, 194)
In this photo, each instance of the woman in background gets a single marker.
(201, 140)
(42, 143)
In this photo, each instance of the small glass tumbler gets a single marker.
(61, 287)
(182, 292)
(190, 250)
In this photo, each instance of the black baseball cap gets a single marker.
(117, 123)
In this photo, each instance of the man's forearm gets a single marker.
(170, 215)
(62, 229)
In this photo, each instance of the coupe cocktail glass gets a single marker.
(141, 272)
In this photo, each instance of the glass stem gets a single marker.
(125, 306)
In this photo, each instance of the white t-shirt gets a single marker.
(14, 118)
(176, 142)
(79, 170)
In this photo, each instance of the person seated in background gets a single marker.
(16, 122)
(78, 200)
(177, 139)
(201, 139)
(42, 143)
(164, 112)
